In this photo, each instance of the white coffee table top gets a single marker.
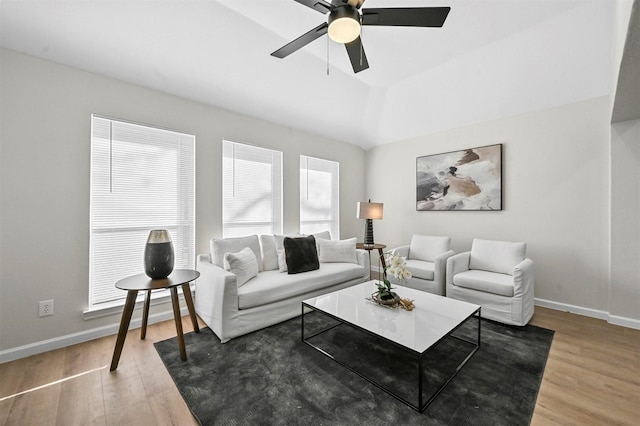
(432, 318)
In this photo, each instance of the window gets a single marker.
(319, 196)
(252, 190)
(142, 178)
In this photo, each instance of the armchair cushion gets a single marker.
(233, 245)
(487, 282)
(427, 248)
(496, 256)
(421, 269)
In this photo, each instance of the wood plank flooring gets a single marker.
(592, 377)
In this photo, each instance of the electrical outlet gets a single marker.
(45, 308)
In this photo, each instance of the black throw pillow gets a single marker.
(301, 254)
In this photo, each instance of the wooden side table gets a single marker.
(368, 248)
(141, 282)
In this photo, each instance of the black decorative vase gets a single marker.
(158, 255)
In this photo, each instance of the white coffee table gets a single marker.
(433, 320)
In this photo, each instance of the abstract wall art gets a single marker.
(470, 179)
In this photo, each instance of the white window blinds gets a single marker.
(142, 178)
(319, 196)
(252, 190)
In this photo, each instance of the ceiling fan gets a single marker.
(345, 20)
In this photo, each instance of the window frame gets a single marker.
(240, 161)
(163, 144)
(307, 164)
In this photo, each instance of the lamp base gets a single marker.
(368, 232)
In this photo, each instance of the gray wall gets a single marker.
(44, 178)
(556, 180)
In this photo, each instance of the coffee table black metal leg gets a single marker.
(124, 327)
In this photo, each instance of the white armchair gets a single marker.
(497, 276)
(426, 258)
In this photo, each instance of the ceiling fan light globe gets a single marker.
(344, 24)
(344, 30)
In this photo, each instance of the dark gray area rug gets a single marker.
(270, 377)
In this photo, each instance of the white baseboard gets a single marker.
(588, 312)
(579, 310)
(624, 321)
(565, 307)
(95, 333)
(82, 336)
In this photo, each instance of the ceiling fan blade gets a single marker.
(356, 55)
(319, 5)
(406, 16)
(301, 41)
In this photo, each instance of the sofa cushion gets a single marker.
(272, 286)
(233, 245)
(282, 259)
(488, 282)
(427, 248)
(301, 254)
(337, 251)
(269, 253)
(242, 264)
(421, 269)
(325, 235)
(496, 256)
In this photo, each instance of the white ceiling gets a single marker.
(492, 58)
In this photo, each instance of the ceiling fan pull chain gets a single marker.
(361, 46)
(327, 56)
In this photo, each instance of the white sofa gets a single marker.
(497, 276)
(426, 258)
(273, 295)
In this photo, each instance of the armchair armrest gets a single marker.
(402, 251)
(523, 280)
(456, 264)
(440, 267)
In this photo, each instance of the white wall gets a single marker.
(624, 293)
(44, 177)
(555, 196)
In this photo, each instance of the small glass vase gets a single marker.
(390, 301)
(158, 255)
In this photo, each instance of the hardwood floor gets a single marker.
(592, 378)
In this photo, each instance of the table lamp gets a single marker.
(369, 211)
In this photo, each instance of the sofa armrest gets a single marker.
(402, 251)
(456, 264)
(362, 256)
(523, 281)
(216, 294)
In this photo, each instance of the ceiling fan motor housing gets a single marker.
(344, 24)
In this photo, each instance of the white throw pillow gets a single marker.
(496, 256)
(269, 253)
(233, 245)
(427, 248)
(242, 264)
(343, 251)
